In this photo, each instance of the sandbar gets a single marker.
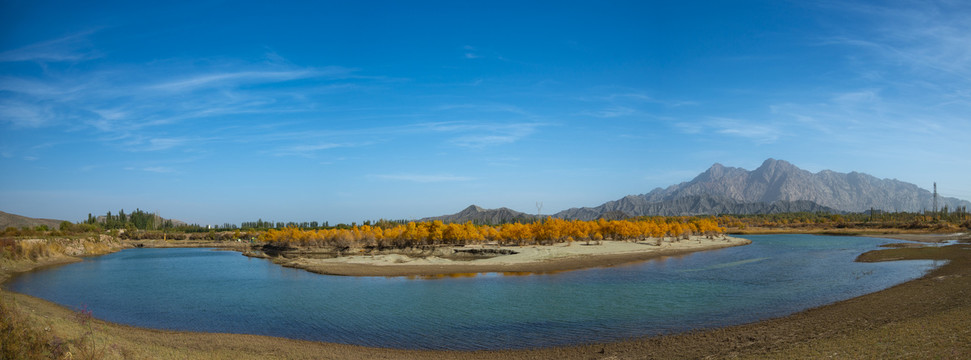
(526, 259)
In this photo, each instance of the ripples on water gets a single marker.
(220, 291)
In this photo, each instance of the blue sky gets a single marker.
(218, 111)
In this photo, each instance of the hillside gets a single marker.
(633, 205)
(479, 215)
(775, 187)
(778, 180)
(17, 221)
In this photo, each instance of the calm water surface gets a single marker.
(222, 291)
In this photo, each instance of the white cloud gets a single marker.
(164, 143)
(130, 106)
(927, 39)
(612, 112)
(212, 80)
(613, 102)
(471, 52)
(857, 97)
(424, 178)
(70, 48)
(759, 132)
(159, 169)
(480, 108)
(479, 141)
(25, 114)
(689, 128)
(307, 150)
(485, 135)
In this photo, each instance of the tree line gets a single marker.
(141, 225)
(137, 220)
(874, 219)
(546, 232)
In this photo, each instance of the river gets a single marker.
(223, 291)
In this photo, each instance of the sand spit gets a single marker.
(534, 259)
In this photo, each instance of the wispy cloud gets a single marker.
(470, 52)
(634, 96)
(25, 114)
(759, 132)
(518, 124)
(222, 79)
(611, 112)
(159, 169)
(483, 108)
(485, 134)
(164, 143)
(71, 48)
(912, 62)
(307, 150)
(486, 140)
(127, 105)
(626, 103)
(424, 178)
(931, 38)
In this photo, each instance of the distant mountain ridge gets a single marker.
(479, 215)
(634, 205)
(774, 187)
(778, 180)
(19, 221)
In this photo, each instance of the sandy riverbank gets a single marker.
(931, 238)
(526, 259)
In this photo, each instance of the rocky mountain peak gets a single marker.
(779, 180)
(472, 209)
(478, 214)
(775, 186)
(715, 171)
(772, 168)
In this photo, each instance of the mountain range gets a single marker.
(775, 187)
(479, 215)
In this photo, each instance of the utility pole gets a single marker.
(935, 198)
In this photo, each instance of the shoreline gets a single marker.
(526, 259)
(926, 238)
(926, 317)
